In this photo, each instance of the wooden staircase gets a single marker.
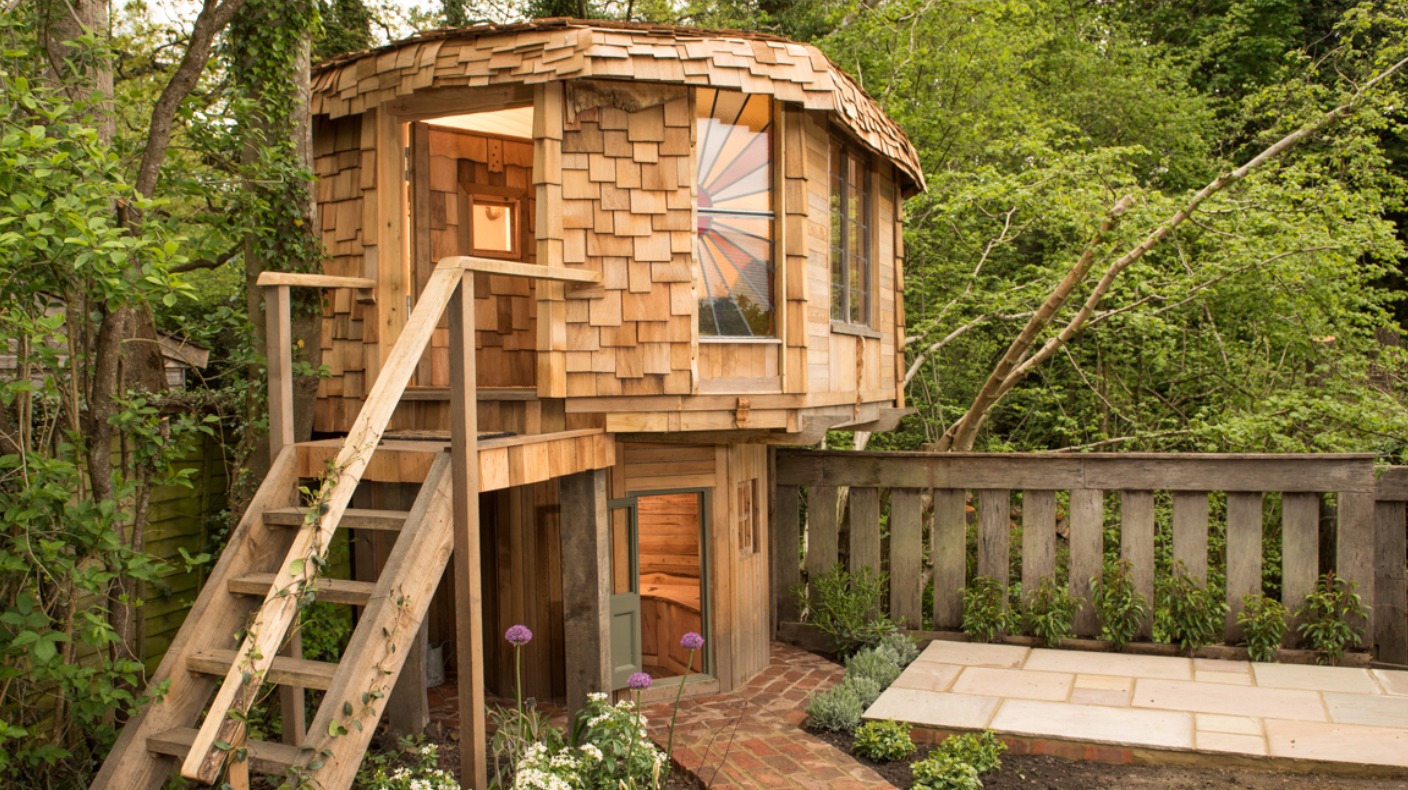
(272, 566)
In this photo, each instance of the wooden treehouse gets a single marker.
(588, 272)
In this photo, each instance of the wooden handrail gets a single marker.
(299, 280)
(471, 263)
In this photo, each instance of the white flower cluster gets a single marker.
(432, 779)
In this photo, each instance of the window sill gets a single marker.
(741, 339)
(842, 328)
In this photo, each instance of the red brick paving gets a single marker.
(752, 737)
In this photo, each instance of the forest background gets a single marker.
(155, 160)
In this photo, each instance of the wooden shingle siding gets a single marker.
(557, 49)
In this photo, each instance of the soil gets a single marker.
(1043, 772)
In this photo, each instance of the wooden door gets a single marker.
(626, 649)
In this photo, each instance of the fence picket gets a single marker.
(1190, 532)
(822, 537)
(1354, 550)
(994, 533)
(906, 553)
(949, 552)
(1137, 546)
(1244, 514)
(1038, 537)
(786, 557)
(1087, 553)
(1300, 554)
(865, 529)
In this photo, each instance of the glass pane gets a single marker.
(735, 151)
(492, 226)
(735, 260)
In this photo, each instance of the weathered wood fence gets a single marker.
(829, 506)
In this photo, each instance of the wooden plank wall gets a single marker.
(344, 159)
(628, 210)
(669, 535)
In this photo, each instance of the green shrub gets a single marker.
(878, 665)
(412, 765)
(1050, 611)
(959, 762)
(866, 689)
(883, 741)
(901, 647)
(1326, 617)
(1263, 622)
(1120, 608)
(1195, 613)
(837, 709)
(986, 611)
(846, 607)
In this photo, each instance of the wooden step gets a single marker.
(264, 757)
(354, 518)
(285, 671)
(328, 590)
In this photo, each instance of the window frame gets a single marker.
(513, 207)
(843, 152)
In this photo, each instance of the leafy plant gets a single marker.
(1326, 617)
(959, 762)
(1120, 607)
(1196, 613)
(839, 708)
(987, 613)
(1263, 622)
(846, 607)
(412, 765)
(614, 746)
(900, 647)
(883, 741)
(1050, 611)
(877, 665)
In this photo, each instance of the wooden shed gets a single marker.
(682, 247)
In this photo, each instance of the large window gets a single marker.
(850, 234)
(735, 244)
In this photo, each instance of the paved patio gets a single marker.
(1124, 708)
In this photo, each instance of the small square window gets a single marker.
(493, 226)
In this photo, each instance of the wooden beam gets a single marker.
(586, 594)
(1390, 586)
(469, 601)
(532, 271)
(279, 340)
(300, 280)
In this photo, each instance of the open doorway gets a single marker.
(658, 591)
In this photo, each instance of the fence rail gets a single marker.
(918, 516)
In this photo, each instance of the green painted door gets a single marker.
(625, 592)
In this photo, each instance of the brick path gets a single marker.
(753, 738)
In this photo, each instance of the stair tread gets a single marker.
(265, 757)
(353, 518)
(340, 591)
(286, 670)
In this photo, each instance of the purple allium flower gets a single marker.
(691, 641)
(519, 635)
(638, 681)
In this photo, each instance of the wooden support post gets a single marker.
(278, 334)
(786, 552)
(586, 593)
(1390, 590)
(408, 709)
(469, 602)
(1300, 555)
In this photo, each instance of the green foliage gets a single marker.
(1050, 611)
(412, 765)
(1263, 622)
(1194, 614)
(875, 664)
(616, 751)
(899, 647)
(987, 613)
(883, 741)
(839, 708)
(1119, 606)
(959, 762)
(1331, 617)
(846, 607)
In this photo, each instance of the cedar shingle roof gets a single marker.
(557, 49)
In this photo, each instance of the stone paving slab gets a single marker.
(1330, 715)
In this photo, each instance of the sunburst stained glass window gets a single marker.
(735, 243)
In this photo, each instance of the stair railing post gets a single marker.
(278, 332)
(464, 432)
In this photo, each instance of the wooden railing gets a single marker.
(919, 516)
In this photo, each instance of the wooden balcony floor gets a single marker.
(504, 461)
